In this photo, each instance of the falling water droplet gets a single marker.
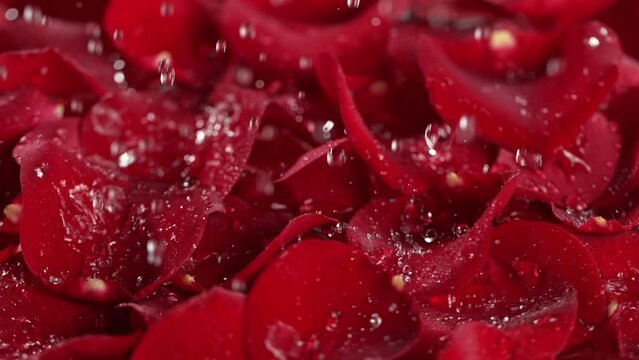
(220, 46)
(166, 71)
(353, 4)
(465, 131)
(528, 159)
(336, 157)
(247, 31)
(375, 321)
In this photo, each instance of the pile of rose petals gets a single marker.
(322, 179)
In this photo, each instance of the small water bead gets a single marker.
(95, 47)
(593, 42)
(305, 63)
(167, 9)
(33, 14)
(333, 321)
(336, 157)
(220, 46)
(555, 66)
(353, 4)
(11, 14)
(154, 252)
(166, 70)
(126, 159)
(460, 229)
(437, 137)
(466, 128)
(118, 35)
(528, 159)
(247, 31)
(375, 321)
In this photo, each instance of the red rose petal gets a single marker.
(231, 240)
(92, 347)
(558, 254)
(432, 262)
(239, 112)
(295, 227)
(328, 179)
(32, 319)
(208, 326)
(324, 298)
(175, 38)
(322, 11)
(388, 166)
(20, 112)
(625, 324)
(618, 258)
(564, 9)
(578, 174)
(291, 46)
(537, 115)
(154, 307)
(484, 342)
(108, 237)
(68, 9)
(62, 77)
(83, 45)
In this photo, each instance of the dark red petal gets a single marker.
(557, 254)
(538, 115)
(109, 238)
(434, 265)
(67, 9)
(239, 112)
(154, 307)
(134, 130)
(625, 321)
(231, 240)
(291, 46)
(478, 341)
(387, 165)
(20, 112)
(93, 347)
(83, 45)
(60, 77)
(208, 326)
(295, 227)
(324, 298)
(618, 259)
(565, 9)
(578, 174)
(94, 203)
(32, 319)
(321, 12)
(328, 179)
(177, 35)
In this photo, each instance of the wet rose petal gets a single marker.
(207, 326)
(425, 240)
(565, 9)
(567, 179)
(328, 179)
(92, 347)
(625, 324)
(33, 319)
(111, 239)
(296, 227)
(537, 115)
(60, 76)
(557, 254)
(335, 281)
(277, 45)
(174, 39)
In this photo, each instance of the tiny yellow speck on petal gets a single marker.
(379, 87)
(95, 284)
(453, 180)
(59, 111)
(13, 212)
(398, 283)
(502, 39)
(612, 307)
(601, 221)
(188, 279)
